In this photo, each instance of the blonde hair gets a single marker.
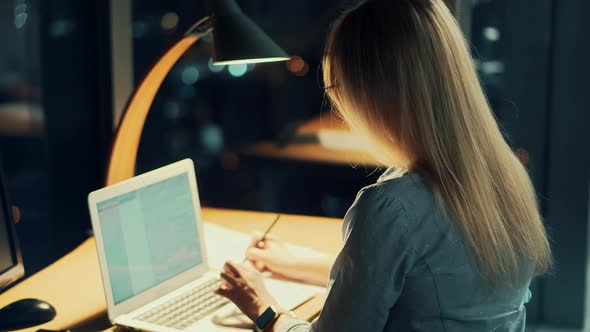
(399, 71)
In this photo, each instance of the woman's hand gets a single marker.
(272, 255)
(244, 286)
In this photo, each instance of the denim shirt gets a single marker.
(405, 267)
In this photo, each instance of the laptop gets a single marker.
(151, 250)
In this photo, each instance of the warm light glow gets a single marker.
(230, 161)
(247, 61)
(298, 66)
(303, 71)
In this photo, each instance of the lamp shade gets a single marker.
(238, 39)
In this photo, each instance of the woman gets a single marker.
(450, 237)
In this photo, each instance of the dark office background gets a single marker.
(60, 96)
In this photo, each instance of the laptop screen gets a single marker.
(150, 235)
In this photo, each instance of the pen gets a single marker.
(260, 242)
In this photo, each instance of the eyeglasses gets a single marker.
(327, 88)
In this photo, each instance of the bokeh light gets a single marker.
(138, 29)
(230, 161)
(20, 14)
(238, 70)
(212, 138)
(169, 21)
(298, 66)
(61, 28)
(190, 75)
(215, 68)
(491, 33)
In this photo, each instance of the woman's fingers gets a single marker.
(255, 238)
(256, 254)
(231, 280)
(248, 267)
(225, 292)
(257, 242)
(260, 266)
(258, 257)
(232, 269)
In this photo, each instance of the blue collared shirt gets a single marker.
(405, 267)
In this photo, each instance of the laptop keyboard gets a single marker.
(187, 308)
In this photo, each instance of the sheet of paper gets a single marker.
(223, 244)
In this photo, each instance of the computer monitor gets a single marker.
(24, 312)
(11, 264)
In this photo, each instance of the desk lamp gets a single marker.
(236, 38)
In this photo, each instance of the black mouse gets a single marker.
(25, 313)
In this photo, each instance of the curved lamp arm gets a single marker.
(124, 151)
(237, 39)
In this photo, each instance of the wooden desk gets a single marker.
(313, 152)
(73, 284)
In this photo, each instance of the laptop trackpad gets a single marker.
(231, 316)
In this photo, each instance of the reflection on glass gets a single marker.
(22, 140)
(20, 111)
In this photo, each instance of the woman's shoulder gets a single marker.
(409, 189)
(404, 204)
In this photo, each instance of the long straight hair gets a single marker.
(400, 73)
